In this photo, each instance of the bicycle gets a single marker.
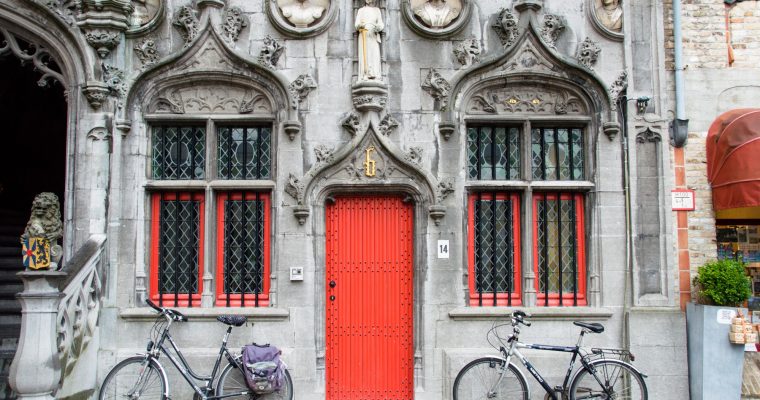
(143, 376)
(604, 373)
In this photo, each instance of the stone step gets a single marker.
(12, 263)
(10, 241)
(10, 251)
(9, 307)
(9, 276)
(10, 289)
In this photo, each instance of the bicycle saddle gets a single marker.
(593, 327)
(234, 320)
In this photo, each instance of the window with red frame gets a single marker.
(177, 253)
(242, 278)
(559, 249)
(494, 249)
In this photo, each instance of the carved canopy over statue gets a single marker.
(302, 13)
(437, 13)
(369, 23)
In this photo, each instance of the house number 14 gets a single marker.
(443, 249)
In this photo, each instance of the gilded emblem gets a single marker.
(370, 166)
(36, 252)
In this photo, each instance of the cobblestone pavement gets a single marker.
(751, 378)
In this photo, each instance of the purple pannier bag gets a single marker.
(263, 368)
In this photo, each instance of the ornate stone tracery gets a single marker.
(38, 55)
(211, 97)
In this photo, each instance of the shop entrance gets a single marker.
(369, 276)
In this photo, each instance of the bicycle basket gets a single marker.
(598, 353)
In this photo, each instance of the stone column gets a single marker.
(36, 369)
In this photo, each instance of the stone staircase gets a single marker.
(11, 226)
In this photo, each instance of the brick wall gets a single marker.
(701, 222)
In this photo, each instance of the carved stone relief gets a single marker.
(302, 13)
(147, 52)
(467, 52)
(387, 125)
(617, 88)
(103, 22)
(438, 87)
(352, 123)
(301, 18)
(186, 20)
(145, 11)
(301, 87)
(506, 28)
(414, 155)
(96, 93)
(210, 97)
(324, 154)
(648, 136)
(233, 23)
(270, 52)
(607, 17)
(533, 99)
(116, 82)
(103, 41)
(552, 27)
(588, 53)
(529, 59)
(444, 189)
(436, 18)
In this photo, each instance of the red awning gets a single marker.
(733, 159)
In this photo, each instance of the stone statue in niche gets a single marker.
(610, 14)
(369, 23)
(302, 13)
(144, 11)
(437, 13)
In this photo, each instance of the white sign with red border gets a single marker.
(683, 200)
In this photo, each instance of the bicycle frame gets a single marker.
(184, 368)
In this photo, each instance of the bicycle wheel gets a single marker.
(232, 381)
(610, 379)
(489, 378)
(133, 378)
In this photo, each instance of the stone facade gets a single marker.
(530, 64)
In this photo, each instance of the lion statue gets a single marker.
(45, 222)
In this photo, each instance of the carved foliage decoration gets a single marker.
(103, 41)
(467, 52)
(301, 87)
(506, 28)
(116, 82)
(211, 97)
(324, 154)
(532, 99)
(551, 29)
(352, 123)
(588, 53)
(414, 155)
(147, 52)
(648, 136)
(186, 20)
(444, 189)
(233, 23)
(271, 52)
(387, 125)
(617, 88)
(438, 87)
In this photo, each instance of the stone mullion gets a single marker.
(528, 276)
(209, 256)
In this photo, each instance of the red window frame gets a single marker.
(567, 298)
(487, 299)
(247, 299)
(181, 299)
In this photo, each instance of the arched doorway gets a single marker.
(32, 160)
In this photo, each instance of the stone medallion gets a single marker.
(607, 17)
(146, 16)
(436, 18)
(301, 18)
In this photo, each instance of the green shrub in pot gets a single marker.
(722, 283)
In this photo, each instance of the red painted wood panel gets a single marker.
(369, 344)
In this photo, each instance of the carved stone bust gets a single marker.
(302, 13)
(144, 11)
(438, 13)
(609, 13)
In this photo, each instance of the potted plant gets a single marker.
(715, 365)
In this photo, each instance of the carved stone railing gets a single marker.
(57, 353)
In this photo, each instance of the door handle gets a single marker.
(332, 284)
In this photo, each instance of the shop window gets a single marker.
(243, 256)
(558, 249)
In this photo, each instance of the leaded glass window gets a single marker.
(558, 248)
(557, 153)
(244, 255)
(245, 152)
(493, 153)
(494, 252)
(179, 152)
(178, 263)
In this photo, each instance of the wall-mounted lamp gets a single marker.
(642, 103)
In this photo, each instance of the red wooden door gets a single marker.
(369, 247)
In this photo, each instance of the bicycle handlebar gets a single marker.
(173, 314)
(518, 317)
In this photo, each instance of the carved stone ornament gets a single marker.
(147, 52)
(116, 81)
(186, 21)
(529, 59)
(211, 97)
(387, 125)
(607, 17)
(436, 19)
(291, 128)
(103, 41)
(467, 52)
(414, 155)
(301, 87)
(35, 53)
(617, 88)
(437, 212)
(444, 189)
(270, 52)
(551, 29)
(145, 16)
(301, 18)
(45, 228)
(324, 154)
(233, 23)
(588, 53)
(96, 93)
(648, 136)
(528, 99)
(611, 129)
(438, 87)
(294, 188)
(369, 96)
(352, 123)
(446, 129)
(506, 28)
